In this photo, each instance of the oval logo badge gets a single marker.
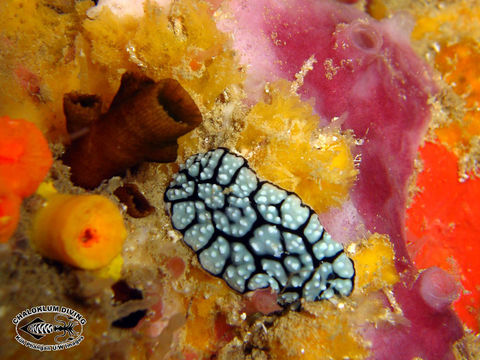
(49, 327)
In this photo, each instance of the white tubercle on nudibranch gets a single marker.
(254, 234)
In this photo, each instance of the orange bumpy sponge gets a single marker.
(24, 162)
(24, 156)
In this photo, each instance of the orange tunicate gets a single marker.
(85, 231)
(9, 212)
(24, 156)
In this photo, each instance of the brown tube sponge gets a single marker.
(81, 111)
(142, 124)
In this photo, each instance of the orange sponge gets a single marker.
(85, 231)
(24, 156)
(9, 212)
(443, 226)
(24, 162)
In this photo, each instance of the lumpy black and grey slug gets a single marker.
(254, 234)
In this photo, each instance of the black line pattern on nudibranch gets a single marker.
(254, 234)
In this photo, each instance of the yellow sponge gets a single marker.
(85, 231)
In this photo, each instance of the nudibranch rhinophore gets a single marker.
(254, 234)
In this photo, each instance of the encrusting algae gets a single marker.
(166, 44)
(460, 65)
(32, 68)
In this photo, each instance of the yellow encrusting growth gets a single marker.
(85, 231)
(374, 264)
(447, 21)
(460, 65)
(377, 9)
(283, 144)
(200, 325)
(90, 55)
(113, 270)
(329, 336)
(46, 189)
(38, 49)
(167, 45)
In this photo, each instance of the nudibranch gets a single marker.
(142, 124)
(254, 234)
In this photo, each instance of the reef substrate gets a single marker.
(328, 100)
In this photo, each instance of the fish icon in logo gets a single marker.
(38, 328)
